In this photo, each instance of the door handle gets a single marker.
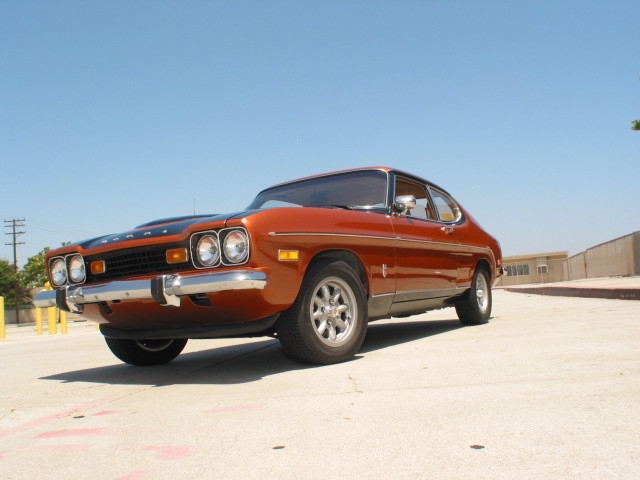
(448, 230)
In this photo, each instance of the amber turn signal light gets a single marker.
(288, 255)
(98, 267)
(177, 255)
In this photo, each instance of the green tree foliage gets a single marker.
(8, 283)
(33, 274)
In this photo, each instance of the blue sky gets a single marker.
(116, 113)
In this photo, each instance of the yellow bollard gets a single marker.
(63, 322)
(2, 331)
(52, 320)
(39, 321)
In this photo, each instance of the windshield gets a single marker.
(367, 188)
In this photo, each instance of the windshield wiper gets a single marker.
(329, 205)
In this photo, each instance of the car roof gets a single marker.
(358, 169)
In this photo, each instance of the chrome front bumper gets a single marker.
(164, 289)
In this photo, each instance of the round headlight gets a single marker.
(58, 272)
(208, 251)
(236, 246)
(77, 272)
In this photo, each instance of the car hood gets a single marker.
(159, 228)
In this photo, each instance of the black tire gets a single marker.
(328, 321)
(474, 308)
(144, 353)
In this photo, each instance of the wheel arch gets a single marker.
(347, 257)
(483, 264)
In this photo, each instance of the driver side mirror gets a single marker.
(404, 203)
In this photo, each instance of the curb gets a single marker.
(584, 292)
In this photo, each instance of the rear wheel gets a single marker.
(328, 321)
(146, 352)
(475, 306)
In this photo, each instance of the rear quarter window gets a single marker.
(448, 210)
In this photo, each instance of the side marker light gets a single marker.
(288, 255)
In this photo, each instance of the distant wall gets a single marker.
(575, 268)
(618, 257)
(28, 315)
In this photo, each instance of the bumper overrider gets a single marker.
(166, 290)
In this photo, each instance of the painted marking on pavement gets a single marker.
(135, 475)
(172, 453)
(76, 432)
(49, 418)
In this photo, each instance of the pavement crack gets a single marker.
(354, 382)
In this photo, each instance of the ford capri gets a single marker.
(310, 261)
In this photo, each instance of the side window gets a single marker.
(447, 209)
(423, 207)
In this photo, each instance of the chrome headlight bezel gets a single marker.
(207, 250)
(235, 246)
(58, 271)
(76, 269)
(229, 253)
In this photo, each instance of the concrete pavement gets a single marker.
(548, 389)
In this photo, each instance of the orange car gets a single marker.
(310, 261)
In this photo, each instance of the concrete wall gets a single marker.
(618, 257)
(575, 267)
(28, 315)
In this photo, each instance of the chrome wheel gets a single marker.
(333, 311)
(474, 307)
(482, 293)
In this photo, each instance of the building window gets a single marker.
(541, 263)
(517, 270)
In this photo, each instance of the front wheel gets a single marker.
(475, 306)
(328, 321)
(146, 352)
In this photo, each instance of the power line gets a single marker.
(14, 225)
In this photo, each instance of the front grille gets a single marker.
(133, 262)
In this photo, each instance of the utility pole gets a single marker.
(14, 225)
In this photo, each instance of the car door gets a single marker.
(425, 252)
(454, 225)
